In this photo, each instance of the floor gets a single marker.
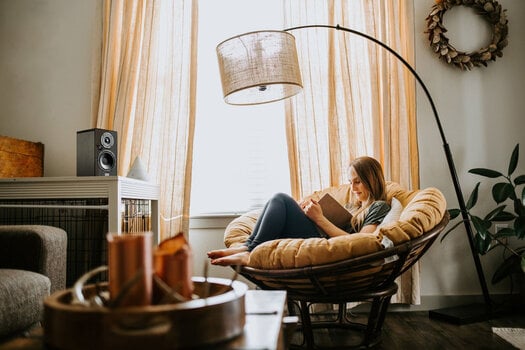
(416, 330)
(401, 331)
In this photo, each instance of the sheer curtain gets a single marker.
(358, 99)
(146, 92)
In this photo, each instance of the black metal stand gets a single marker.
(460, 314)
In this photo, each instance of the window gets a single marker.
(240, 157)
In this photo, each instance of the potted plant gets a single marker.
(508, 194)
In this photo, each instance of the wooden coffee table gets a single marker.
(264, 321)
(263, 328)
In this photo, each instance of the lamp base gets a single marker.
(463, 314)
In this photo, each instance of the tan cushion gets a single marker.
(423, 210)
(238, 231)
(288, 253)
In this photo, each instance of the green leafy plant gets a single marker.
(506, 192)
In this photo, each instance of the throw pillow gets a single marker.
(394, 214)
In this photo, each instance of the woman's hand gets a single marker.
(313, 210)
(304, 203)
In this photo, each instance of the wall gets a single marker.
(45, 74)
(45, 94)
(482, 117)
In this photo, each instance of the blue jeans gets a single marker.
(281, 217)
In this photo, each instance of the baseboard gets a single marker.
(434, 302)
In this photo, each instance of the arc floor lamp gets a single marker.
(261, 67)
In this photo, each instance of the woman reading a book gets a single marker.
(283, 217)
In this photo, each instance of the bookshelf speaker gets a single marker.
(97, 152)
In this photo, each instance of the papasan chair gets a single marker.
(351, 268)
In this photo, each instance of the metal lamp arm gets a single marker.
(448, 154)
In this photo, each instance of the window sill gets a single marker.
(210, 221)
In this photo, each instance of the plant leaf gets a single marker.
(450, 230)
(519, 227)
(519, 208)
(482, 244)
(509, 266)
(504, 216)
(481, 226)
(473, 199)
(514, 159)
(501, 191)
(453, 213)
(485, 172)
(520, 180)
(494, 213)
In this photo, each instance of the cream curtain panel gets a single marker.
(358, 99)
(146, 92)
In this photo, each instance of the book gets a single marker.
(334, 211)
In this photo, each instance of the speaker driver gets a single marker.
(107, 140)
(106, 160)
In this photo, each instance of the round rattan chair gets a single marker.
(347, 268)
(365, 278)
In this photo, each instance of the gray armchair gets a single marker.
(32, 265)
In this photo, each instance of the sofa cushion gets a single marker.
(21, 299)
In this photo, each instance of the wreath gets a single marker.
(490, 10)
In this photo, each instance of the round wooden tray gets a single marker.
(194, 323)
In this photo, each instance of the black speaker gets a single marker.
(97, 152)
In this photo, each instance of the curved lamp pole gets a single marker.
(261, 67)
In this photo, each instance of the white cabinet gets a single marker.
(86, 207)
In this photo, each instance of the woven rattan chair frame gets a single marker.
(365, 278)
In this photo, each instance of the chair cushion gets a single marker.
(293, 253)
(21, 299)
(422, 210)
(396, 208)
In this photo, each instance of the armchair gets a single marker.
(32, 265)
(351, 268)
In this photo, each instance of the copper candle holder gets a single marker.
(130, 268)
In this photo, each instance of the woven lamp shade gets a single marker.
(259, 67)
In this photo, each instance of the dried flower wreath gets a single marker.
(490, 10)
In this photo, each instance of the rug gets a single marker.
(515, 336)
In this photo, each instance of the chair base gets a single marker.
(357, 335)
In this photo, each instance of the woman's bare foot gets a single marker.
(241, 258)
(219, 253)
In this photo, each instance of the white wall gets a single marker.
(45, 74)
(482, 116)
(45, 95)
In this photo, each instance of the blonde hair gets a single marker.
(371, 175)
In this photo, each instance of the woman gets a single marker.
(283, 217)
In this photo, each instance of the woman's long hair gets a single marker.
(370, 172)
